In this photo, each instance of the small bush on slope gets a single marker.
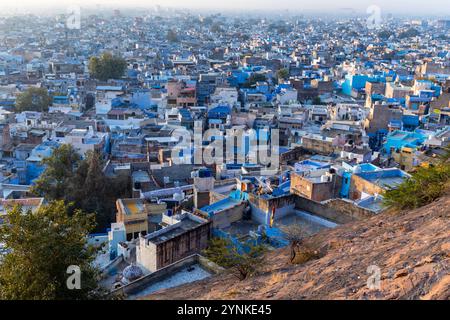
(424, 186)
(243, 262)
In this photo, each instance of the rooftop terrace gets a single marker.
(387, 178)
(187, 223)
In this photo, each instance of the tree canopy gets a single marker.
(82, 182)
(253, 79)
(41, 246)
(33, 99)
(107, 67)
(60, 169)
(411, 32)
(244, 261)
(423, 187)
(385, 34)
(172, 36)
(317, 101)
(283, 74)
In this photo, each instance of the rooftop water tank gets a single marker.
(178, 196)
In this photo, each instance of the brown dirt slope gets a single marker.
(412, 250)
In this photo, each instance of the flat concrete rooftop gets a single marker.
(169, 233)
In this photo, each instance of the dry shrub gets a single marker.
(277, 278)
(305, 254)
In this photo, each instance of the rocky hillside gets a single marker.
(412, 250)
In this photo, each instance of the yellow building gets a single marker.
(406, 158)
(136, 215)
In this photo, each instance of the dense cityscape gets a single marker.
(166, 153)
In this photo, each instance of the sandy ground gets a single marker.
(410, 249)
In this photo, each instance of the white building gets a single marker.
(225, 96)
(287, 96)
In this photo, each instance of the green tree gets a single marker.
(253, 79)
(82, 182)
(60, 169)
(423, 187)
(107, 67)
(41, 246)
(317, 101)
(384, 34)
(33, 99)
(244, 261)
(93, 192)
(411, 32)
(283, 74)
(172, 36)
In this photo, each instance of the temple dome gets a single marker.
(132, 272)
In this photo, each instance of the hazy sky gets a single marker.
(418, 7)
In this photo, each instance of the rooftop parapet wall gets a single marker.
(340, 211)
(166, 272)
(266, 204)
(380, 174)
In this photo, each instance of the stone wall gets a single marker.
(319, 191)
(340, 211)
(184, 245)
(224, 218)
(154, 256)
(166, 272)
(292, 156)
(262, 208)
(323, 147)
(201, 199)
(359, 185)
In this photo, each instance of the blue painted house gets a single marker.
(403, 139)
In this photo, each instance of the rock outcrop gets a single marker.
(410, 249)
